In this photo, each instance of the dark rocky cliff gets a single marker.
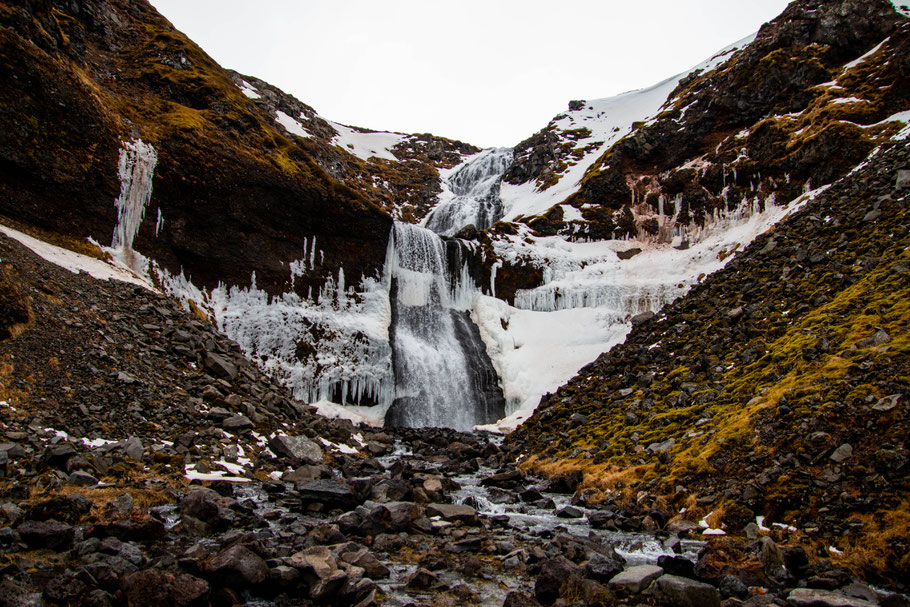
(237, 192)
(791, 109)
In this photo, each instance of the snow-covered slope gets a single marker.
(581, 135)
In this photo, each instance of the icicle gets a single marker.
(136, 170)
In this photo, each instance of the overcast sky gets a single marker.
(489, 72)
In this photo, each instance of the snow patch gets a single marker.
(76, 262)
(366, 145)
(247, 89)
(292, 125)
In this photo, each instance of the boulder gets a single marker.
(299, 449)
(154, 588)
(237, 423)
(842, 453)
(364, 559)
(330, 493)
(569, 512)
(504, 480)
(555, 575)
(424, 580)
(206, 505)
(238, 566)
(46, 534)
(320, 570)
(810, 597)
(81, 479)
(453, 512)
(635, 579)
(604, 567)
(219, 366)
(676, 591)
(133, 448)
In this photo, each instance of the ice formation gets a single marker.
(136, 169)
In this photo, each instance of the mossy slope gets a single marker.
(740, 392)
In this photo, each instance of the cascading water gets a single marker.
(443, 375)
(475, 186)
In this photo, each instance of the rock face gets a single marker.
(764, 116)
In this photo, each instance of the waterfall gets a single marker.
(136, 170)
(443, 375)
(475, 186)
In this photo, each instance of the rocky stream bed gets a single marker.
(144, 461)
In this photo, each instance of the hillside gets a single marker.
(239, 183)
(777, 387)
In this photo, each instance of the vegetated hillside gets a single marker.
(778, 386)
(235, 189)
(801, 104)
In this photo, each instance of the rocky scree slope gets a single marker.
(797, 107)
(144, 461)
(777, 387)
(234, 191)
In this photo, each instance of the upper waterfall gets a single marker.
(474, 187)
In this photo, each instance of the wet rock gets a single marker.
(675, 591)
(208, 506)
(604, 567)
(299, 449)
(330, 493)
(320, 570)
(504, 480)
(371, 566)
(565, 484)
(640, 319)
(602, 519)
(238, 566)
(810, 597)
(424, 580)
(555, 575)
(453, 512)
(635, 579)
(516, 598)
(569, 512)
(46, 534)
(732, 586)
(142, 529)
(677, 565)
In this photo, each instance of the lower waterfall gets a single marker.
(443, 375)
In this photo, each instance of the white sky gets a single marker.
(488, 72)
